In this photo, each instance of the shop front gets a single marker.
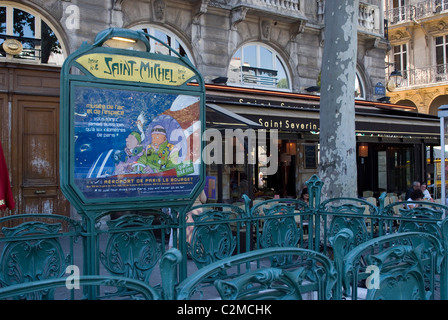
(395, 148)
(290, 144)
(395, 140)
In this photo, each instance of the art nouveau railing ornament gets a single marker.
(132, 249)
(32, 250)
(33, 259)
(397, 266)
(278, 248)
(423, 218)
(212, 236)
(279, 223)
(310, 268)
(357, 215)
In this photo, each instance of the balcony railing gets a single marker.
(284, 4)
(430, 7)
(287, 8)
(401, 14)
(420, 10)
(424, 76)
(259, 76)
(369, 18)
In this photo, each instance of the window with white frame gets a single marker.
(400, 58)
(441, 43)
(38, 40)
(399, 10)
(257, 65)
(166, 37)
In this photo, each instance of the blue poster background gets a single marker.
(116, 150)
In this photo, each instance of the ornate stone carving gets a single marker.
(297, 28)
(117, 5)
(199, 10)
(399, 36)
(265, 29)
(237, 15)
(159, 8)
(439, 27)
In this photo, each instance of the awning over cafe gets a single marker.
(219, 117)
(401, 126)
(294, 112)
(368, 122)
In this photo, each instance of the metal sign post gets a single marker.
(127, 124)
(131, 123)
(443, 114)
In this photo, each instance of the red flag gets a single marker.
(6, 198)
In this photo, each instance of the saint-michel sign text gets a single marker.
(136, 69)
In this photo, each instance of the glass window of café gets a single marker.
(388, 167)
(229, 181)
(281, 184)
(228, 175)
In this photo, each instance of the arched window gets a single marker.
(256, 65)
(27, 36)
(359, 88)
(168, 38)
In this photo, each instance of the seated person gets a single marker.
(426, 194)
(415, 186)
(305, 197)
(416, 195)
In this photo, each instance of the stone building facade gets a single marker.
(418, 34)
(273, 47)
(213, 30)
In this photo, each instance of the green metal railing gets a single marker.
(152, 247)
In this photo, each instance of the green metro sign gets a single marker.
(131, 123)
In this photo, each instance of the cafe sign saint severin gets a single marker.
(137, 69)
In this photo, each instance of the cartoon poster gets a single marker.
(135, 143)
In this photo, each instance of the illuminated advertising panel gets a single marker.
(131, 123)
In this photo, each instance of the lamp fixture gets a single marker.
(395, 78)
(363, 150)
(120, 38)
(124, 39)
(220, 80)
(312, 89)
(291, 148)
(384, 99)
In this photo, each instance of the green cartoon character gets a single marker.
(160, 155)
